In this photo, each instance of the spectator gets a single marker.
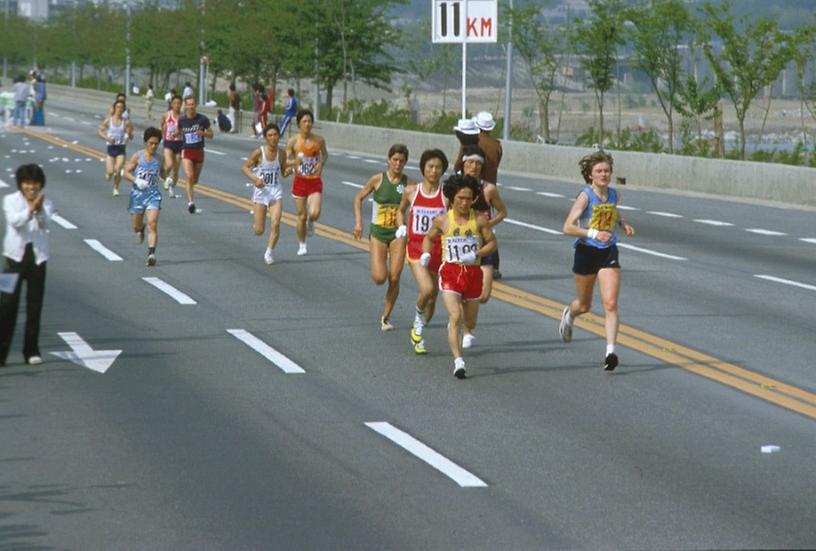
(224, 124)
(187, 91)
(22, 91)
(25, 248)
(289, 111)
(38, 89)
(234, 111)
(149, 96)
(257, 104)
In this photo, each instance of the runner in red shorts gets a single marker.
(426, 202)
(466, 238)
(192, 128)
(307, 153)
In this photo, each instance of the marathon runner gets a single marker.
(145, 169)
(192, 128)
(172, 145)
(116, 131)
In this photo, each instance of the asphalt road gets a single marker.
(194, 440)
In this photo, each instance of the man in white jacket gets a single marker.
(25, 249)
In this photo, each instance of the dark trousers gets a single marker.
(34, 276)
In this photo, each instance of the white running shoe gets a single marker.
(467, 340)
(385, 325)
(35, 360)
(301, 249)
(459, 368)
(310, 228)
(115, 192)
(151, 260)
(168, 182)
(268, 258)
(171, 192)
(564, 328)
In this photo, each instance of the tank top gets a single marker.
(117, 132)
(148, 170)
(599, 215)
(424, 209)
(386, 202)
(461, 239)
(309, 152)
(268, 171)
(481, 205)
(170, 127)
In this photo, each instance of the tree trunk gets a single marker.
(671, 132)
(600, 98)
(544, 117)
(741, 120)
(764, 117)
(329, 94)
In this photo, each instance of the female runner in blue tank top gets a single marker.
(592, 219)
(145, 169)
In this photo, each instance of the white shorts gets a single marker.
(267, 195)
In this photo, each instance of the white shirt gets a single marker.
(23, 228)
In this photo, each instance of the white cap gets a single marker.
(466, 126)
(484, 121)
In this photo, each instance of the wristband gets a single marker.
(592, 233)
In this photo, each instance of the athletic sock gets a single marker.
(151, 250)
(610, 349)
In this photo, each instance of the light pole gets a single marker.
(202, 66)
(127, 52)
(5, 31)
(507, 81)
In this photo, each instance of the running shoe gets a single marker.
(302, 249)
(459, 368)
(419, 347)
(151, 260)
(115, 192)
(140, 235)
(467, 340)
(310, 228)
(564, 328)
(268, 258)
(610, 362)
(191, 208)
(35, 360)
(171, 193)
(168, 182)
(385, 325)
(415, 337)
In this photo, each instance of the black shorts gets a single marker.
(589, 260)
(489, 260)
(116, 150)
(175, 147)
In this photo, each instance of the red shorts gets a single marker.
(195, 155)
(303, 187)
(415, 251)
(462, 280)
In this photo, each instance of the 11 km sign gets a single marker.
(453, 18)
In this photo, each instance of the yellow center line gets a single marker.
(755, 384)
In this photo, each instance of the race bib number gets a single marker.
(192, 138)
(119, 140)
(456, 247)
(269, 177)
(152, 178)
(171, 128)
(308, 166)
(603, 217)
(386, 216)
(423, 218)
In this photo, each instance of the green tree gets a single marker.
(596, 41)
(540, 47)
(803, 46)
(659, 29)
(752, 56)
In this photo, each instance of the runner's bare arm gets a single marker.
(571, 226)
(494, 200)
(249, 164)
(102, 128)
(627, 229)
(286, 170)
(489, 243)
(373, 183)
(129, 166)
(405, 202)
(437, 229)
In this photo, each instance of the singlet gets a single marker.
(599, 215)
(188, 127)
(268, 171)
(309, 152)
(118, 133)
(148, 170)
(386, 202)
(424, 209)
(170, 123)
(460, 239)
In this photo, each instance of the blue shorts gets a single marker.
(175, 147)
(144, 199)
(116, 150)
(590, 260)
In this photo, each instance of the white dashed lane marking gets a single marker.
(351, 184)
(282, 362)
(548, 194)
(103, 250)
(430, 456)
(63, 222)
(531, 226)
(786, 282)
(516, 188)
(665, 214)
(168, 289)
(760, 231)
(808, 239)
(712, 222)
(651, 252)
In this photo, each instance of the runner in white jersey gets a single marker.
(265, 167)
(172, 145)
(116, 131)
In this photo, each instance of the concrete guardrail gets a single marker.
(790, 185)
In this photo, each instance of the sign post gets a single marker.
(465, 21)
